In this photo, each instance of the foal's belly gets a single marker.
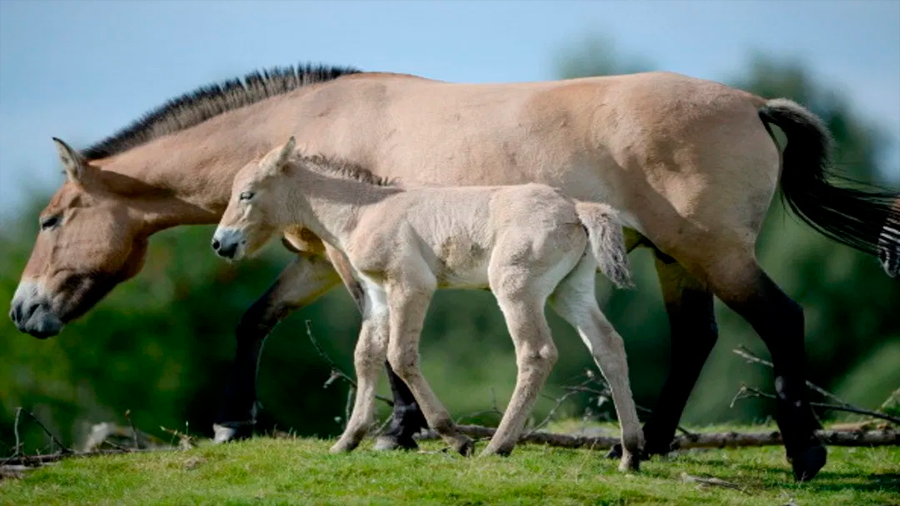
(462, 265)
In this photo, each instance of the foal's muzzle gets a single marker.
(229, 243)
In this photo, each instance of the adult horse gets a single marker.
(691, 165)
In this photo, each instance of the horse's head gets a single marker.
(90, 240)
(255, 206)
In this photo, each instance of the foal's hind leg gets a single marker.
(407, 315)
(575, 300)
(738, 280)
(535, 356)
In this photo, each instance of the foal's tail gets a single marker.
(607, 241)
(868, 220)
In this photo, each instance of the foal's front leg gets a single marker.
(369, 355)
(407, 315)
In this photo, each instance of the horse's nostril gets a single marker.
(215, 245)
(14, 313)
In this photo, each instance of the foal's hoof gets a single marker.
(502, 451)
(630, 464)
(387, 443)
(808, 462)
(232, 432)
(343, 446)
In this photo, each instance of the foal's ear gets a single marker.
(72, 161)
(277, 159)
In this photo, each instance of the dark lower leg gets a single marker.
(300, 283)
(779, 322)
(238, 411)
(407, 418)
(693, 333)
(692, 322)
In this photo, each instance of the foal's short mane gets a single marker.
(209, 101)
(341, 168)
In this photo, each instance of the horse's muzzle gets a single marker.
(35, 319)
(31, 312)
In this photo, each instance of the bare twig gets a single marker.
(18, 447)
(134, 435)
(746, 392)
(606, 393)
(742, 351)
(62, 447)
(336, 372)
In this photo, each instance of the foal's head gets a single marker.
(257, 199)
(91, 238)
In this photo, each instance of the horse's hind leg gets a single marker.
(575, 300)
(693, 333)
(738, 280)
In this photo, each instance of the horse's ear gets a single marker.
(72, 161)
(277, 159)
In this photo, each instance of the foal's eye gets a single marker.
(50, 222)
(245, 196)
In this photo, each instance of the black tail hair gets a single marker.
(851, 213)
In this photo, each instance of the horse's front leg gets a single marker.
(303, 281)
(407, 419)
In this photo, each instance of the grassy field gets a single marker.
(301, 471)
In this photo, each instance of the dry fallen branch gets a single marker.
(885, 437)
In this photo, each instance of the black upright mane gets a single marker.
(209, 101)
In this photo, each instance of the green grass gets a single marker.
(301, 471)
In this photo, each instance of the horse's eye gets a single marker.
(245, 196)
(50, 222)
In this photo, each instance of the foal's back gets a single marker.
(460, 231)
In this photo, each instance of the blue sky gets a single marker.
(79, 70)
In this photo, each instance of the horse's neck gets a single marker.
(188, 173)
(330, 206)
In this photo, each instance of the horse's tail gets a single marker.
(607, 241)
(865, 219)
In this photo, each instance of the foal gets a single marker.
(526, 243)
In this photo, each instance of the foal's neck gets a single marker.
(330, 206)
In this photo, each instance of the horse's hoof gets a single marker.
(807, 463)
(226, 433)
(387, 443)
(615, 452)
(464, 446)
